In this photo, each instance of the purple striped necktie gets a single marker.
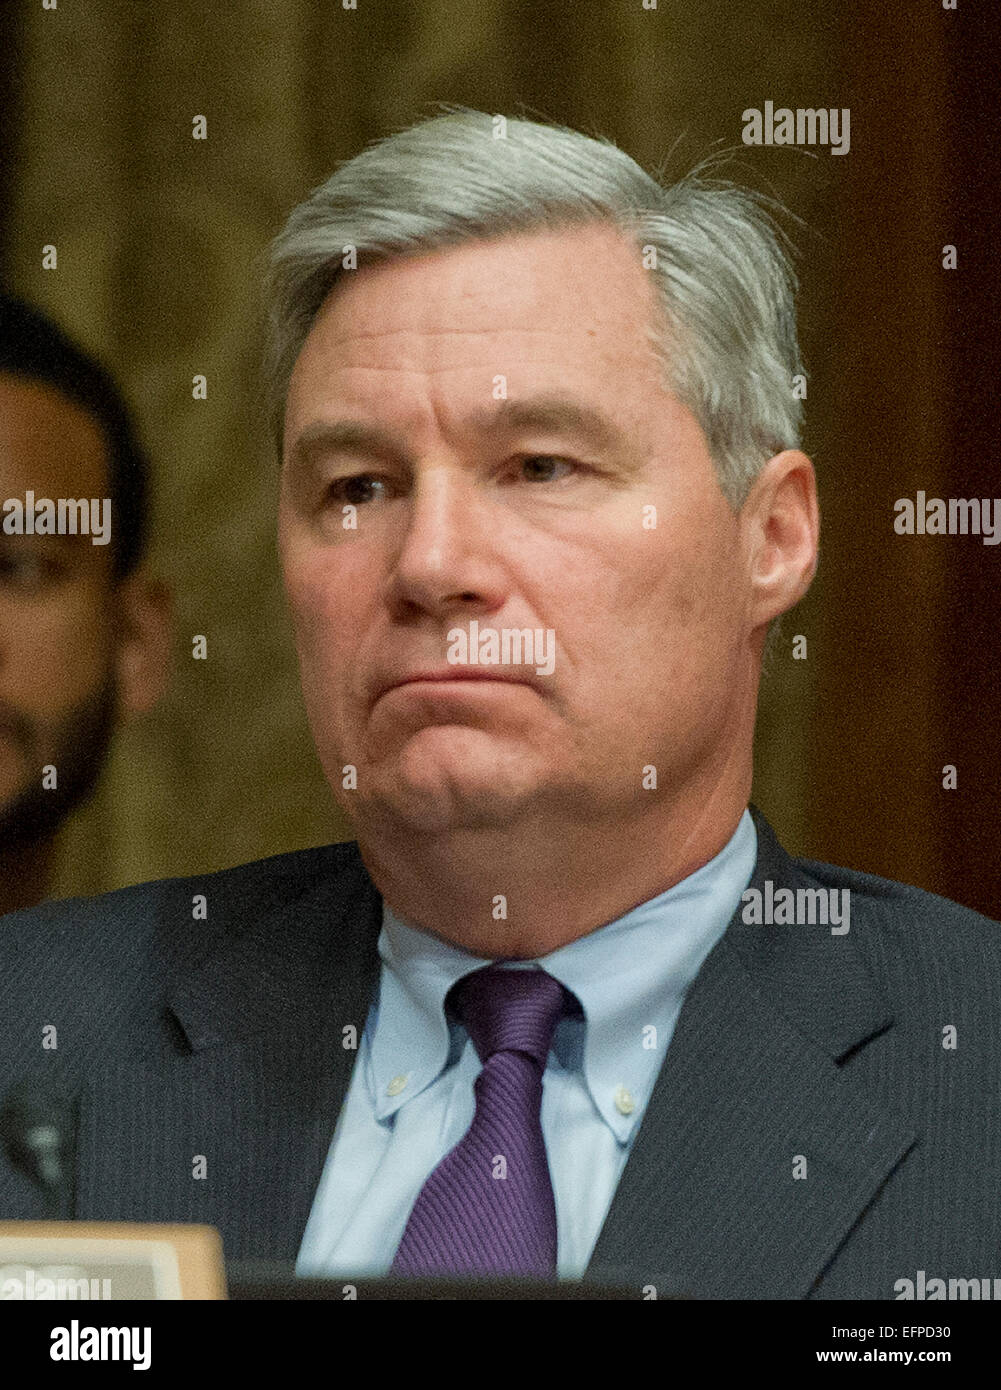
(488, 1207)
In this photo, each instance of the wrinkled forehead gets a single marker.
(564, 309)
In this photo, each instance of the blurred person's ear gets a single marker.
(145, 640)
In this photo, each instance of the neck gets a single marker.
(24, 875)
(525, 890)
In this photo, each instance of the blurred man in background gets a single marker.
(84, 630)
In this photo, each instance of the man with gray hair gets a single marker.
(565, 1008)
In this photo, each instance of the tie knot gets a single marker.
(510, 1010)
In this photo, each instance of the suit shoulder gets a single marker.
(100, 971)
(913, 915)
(136, 910)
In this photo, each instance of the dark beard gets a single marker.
(78, 750)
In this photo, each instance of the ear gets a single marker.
(783, 528)
(145, 639)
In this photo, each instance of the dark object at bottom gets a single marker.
(274, 1282)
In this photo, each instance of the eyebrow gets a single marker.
(552, 414)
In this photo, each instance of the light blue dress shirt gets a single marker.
(411, 1098)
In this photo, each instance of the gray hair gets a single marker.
(722, 276)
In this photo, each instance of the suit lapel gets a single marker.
(708, 1203)
(231, 1126)
(231, 1123)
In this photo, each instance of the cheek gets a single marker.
(56, 652)
(699, 564)
(327, 606)
(671, 610)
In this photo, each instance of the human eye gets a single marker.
(539, 468)
(28, 571)
(355, 490)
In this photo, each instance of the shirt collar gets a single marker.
(630, 975)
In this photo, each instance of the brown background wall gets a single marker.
(160, 242)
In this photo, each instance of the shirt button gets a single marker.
(624, 1102)
(397, 1084)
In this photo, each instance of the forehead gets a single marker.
(48, 443)
(540, 308)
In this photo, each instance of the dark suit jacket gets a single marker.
(225, 1038)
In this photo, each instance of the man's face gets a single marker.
(507, 442)
(56, 620)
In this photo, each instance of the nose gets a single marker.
(447, 559)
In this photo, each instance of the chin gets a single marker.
(451, 783)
